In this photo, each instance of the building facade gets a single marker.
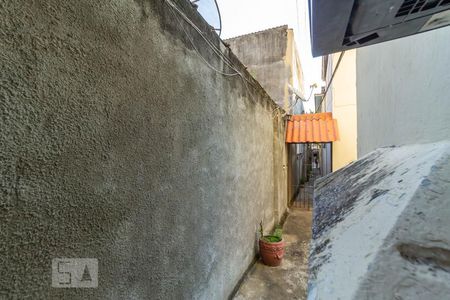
(271, 57)
(341, 101)
(403, 91)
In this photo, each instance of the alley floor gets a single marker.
(288, 281)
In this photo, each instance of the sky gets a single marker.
(245, 16)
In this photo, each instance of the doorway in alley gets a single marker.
(308, 162)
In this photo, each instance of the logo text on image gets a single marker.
(74, 272)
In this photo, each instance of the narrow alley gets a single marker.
(289, 281)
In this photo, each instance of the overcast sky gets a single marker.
(246, 16)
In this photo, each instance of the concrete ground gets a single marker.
(288, 281)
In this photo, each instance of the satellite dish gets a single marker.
(209, 9)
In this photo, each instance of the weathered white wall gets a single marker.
(403, 90)
(271, 57)
(381, 227)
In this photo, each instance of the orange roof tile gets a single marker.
(312, 128)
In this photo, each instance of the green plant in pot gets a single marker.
(271, 247)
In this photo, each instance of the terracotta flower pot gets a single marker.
(271, 253)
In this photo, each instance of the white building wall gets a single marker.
(403, 90)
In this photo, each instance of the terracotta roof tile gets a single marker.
(312, 128)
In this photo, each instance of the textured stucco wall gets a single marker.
(280, 169)
(119, 143)
(403, 91)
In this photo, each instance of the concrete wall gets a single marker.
(119, 143)
(381, 227)
(403, 91)
(296, 76)
(280, 170)
(343, 89)
(327, 72)
(271, 57)
(341, 101)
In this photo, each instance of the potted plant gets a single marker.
(271, 247)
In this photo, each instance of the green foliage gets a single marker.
(275, 237)
(278, 232)
(272, 239)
